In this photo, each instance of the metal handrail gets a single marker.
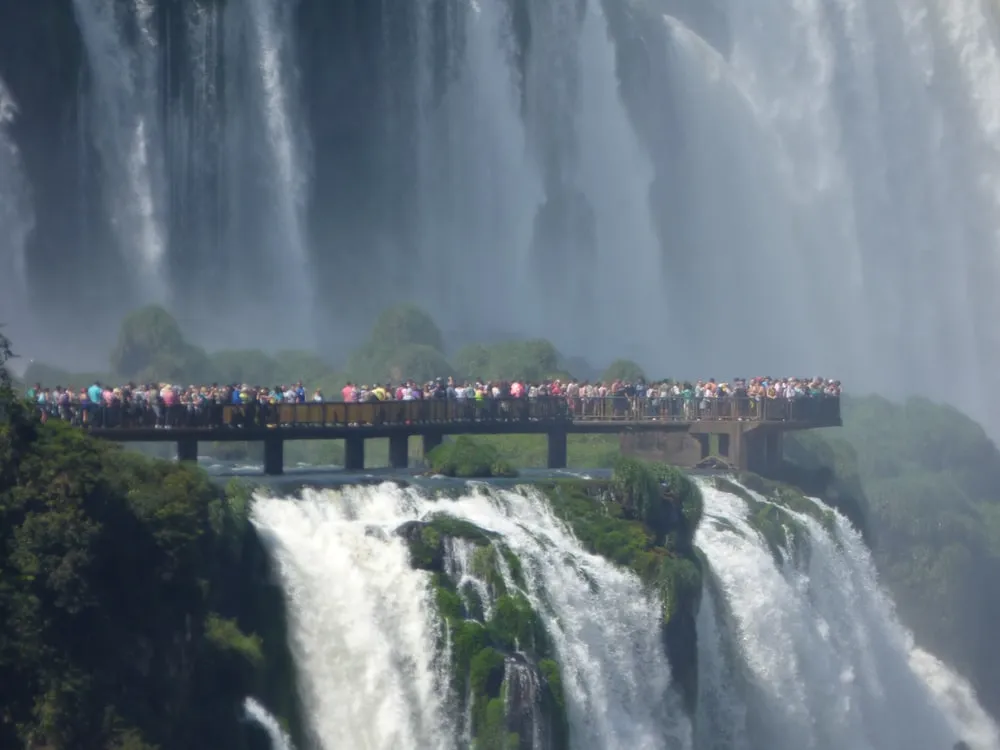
(819, 410)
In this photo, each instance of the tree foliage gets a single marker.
(151, 347)
(251, 366)
(405, 325)
(117, 594)
(6, 384)
(623, 369)
(467, 457)
(375, 363)
(531, 360)
(927, 479)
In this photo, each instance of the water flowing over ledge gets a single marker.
(797, 647)
(358, 608)
(803, 649)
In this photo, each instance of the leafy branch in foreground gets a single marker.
(6, 382)
(6, 353)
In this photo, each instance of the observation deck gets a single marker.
(749, 431)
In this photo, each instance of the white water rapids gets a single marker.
(802, 655)
(821, 661)
(365, 636)
(15, 215)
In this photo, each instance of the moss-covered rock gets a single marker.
(787, 496)
(776, 517)
(645, 518)
(467, 458)
(481, 647)
(139, 603)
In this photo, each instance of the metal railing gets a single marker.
(823, 410)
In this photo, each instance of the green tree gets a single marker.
(923, 477)
(49, 376)
(403, 325)
(374, 363)
(6, 354)
(244, 366)
(111, 570)
(532, 360)
(151, 347)
(623, 369)
(473, 361)
(294, 365)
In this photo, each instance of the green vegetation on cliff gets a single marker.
(645, 519)
(920, 479)
(135, 603)
(489, 639)
(927, 480)
(775, 510)
(468, 458)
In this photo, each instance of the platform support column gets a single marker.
(399, 451)
(764, 450)
(725, 447)
(274, 456)
(705, 444)
(354, 453)
(557, 449)
(431, 441)
(187, 450)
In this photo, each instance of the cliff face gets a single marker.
(502, 654)
(153, 143)
(138, 600)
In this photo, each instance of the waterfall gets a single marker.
(15, 219)
(287, 256)
(364, 632)
(362, 622)
(588, 166)
(203, 159)
(256, 713)
(477, 187)
(847, 153)
(721, 720)
(123, 56)
(827, 664)
(616, 176)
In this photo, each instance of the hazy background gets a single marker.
(713, 187)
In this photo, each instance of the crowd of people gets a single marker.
(166, 405)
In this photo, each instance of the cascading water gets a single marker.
(202, 159)
(825, 665)
(287, 247)
(847, 153)
(833, 164)
(721, 719)
(365, 634)
(123, 56)
(256, 713)
(478, 188)
(616, 176)
(15, 218)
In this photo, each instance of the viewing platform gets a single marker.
(748, 431)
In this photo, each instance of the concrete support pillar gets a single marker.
(354, 453)
(724, 445)
(431, 441)
(764, 451)
(703, 441)
(774, 450)
(274, 455)
(399, 451)
(557, 449)
(187, 450)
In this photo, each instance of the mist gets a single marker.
(710, 188)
